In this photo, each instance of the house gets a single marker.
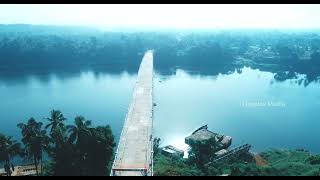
(202, 134)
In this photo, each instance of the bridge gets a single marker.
(134, 155)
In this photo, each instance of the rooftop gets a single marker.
(202, 134)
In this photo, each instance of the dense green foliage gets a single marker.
(156, 146)
(8, 149)
(279, 163)
(173, 166)
(78, 149)
(35, 141)
(298, 162)
(202, 152)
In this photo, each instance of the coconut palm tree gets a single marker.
(80, 135)
(35, 141)
(8, 149)
(56, 120)
(95, 146)
(101, 151)
(80, 130)
(57, 131)
(64, 153)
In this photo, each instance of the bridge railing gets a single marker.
(143, 171)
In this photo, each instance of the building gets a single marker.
(202, 134)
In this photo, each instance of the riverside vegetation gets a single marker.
(80, 149)
(278, 163)
(77, 149)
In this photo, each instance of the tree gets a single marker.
(60, 149)
(79, 149)
(34, 140)
(156, 145)
(80, 134)
(101, 151)
(56, 120)
(8, 149)
(58, 128)
(94, 146)
(80, 130)
(202, 152)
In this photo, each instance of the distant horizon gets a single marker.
(164, 29)
(166, 16)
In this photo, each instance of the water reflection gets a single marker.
(102, 98)
(186, 97)
(44, 74)
(186, 102)
(282, 70)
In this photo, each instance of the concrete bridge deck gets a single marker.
(134, 156)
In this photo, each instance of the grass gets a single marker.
(280, 163)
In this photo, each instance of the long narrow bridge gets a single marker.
(134, 155)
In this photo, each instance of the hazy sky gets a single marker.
(166, 16)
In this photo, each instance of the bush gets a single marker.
(313, 160)
(170, 166)
(245, 170)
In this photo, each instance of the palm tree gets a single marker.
(35, 141)
(8, 149)
(56, 120)
(101, 151)
(57, 125)
(60, 149)
(80, 130)
(95, 146)
(81, 134)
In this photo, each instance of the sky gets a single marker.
(172, 16)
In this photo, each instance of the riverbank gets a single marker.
(273, 162)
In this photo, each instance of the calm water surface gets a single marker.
(102, 98)
(249, 106)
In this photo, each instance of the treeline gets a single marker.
(74, 150)
(50, 48)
